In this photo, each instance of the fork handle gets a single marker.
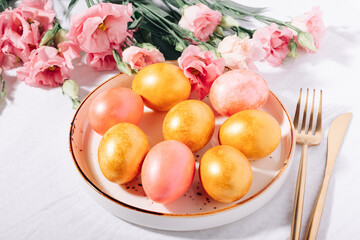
(299, 195)
(317, 210)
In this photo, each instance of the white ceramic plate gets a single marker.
(195, 209)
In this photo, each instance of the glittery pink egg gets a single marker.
(238, 90)
(168, 171)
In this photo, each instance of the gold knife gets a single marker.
(336, 134)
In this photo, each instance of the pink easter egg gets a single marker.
(238, 90)
(113, 106)
(168, 171)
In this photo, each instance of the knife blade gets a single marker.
(335, 136)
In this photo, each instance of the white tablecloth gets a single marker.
(40, 194)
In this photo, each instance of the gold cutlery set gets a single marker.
(310, 136)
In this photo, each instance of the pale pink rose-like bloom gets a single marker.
(100, 26)
(69, 51)
(39, 11)
(138, 58)
(201, 20)
(312, 23)
(275, 42)
(104, 60)
(45, 67)
(202, 68)
(241, 53)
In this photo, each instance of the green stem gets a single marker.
(219, 36)
(88, 3)
(165, 27)
(3, 93)
(175, 14)
(268, 20)
(132, 40)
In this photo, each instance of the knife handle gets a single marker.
(299, 195)
(314, 222)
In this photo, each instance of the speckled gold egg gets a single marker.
(121, 152)
(255, 133)
(161, 85)
(225, 173)
(191, 122)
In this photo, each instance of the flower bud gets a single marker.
(60, 36)
(70, 88)
(292, 48)
(306, 40)
(179, 47)
(228, 21)
(219, 31)
(49, 35)
(242, 35)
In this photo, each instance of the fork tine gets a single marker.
(297, 111)
(305, 110)
(319, 116)
(311, 114)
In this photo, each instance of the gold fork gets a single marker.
(306, 137)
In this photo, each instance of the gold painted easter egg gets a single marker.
(191, 122)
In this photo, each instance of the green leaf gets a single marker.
(292, 48)
(124, 68)
(167, 49)
(237, 6)
(176, 15)
(3, 5)
(71, 5)
(138, 18)
(306, 40)
(117, 56)
(88, 3)
(147, 46)
(146, 34)
(176, 3)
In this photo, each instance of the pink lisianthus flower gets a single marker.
(69, 51)
(241, 53)
(39, 11)
(275, 42)
(201, 20)
(312, 23)
(202, 68)
(138, 58)
(101, 26)
(45, 67)
(104, 60)
(12, 46)
(12, 50)
(18, 24)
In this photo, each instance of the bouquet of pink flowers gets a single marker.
(204, 36)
